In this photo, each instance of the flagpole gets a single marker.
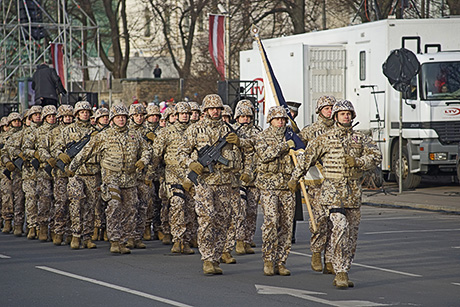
(255, 31)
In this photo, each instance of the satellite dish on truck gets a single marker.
(400, 67)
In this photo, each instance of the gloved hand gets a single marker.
(94, 132)
(351, 161)
(245, 177)
(291, 144)
(187, 185)
(151, 136)
(140, 165)
(10, 166)
(64, 158)
(69, 173)
(232, 138)
(51, 161)
(37, 155)
(293, 185)
(21, 155)
(148, 182)
(196, 167)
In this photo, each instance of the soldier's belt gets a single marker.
(337, 210)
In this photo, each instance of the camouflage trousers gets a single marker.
(44, 202)
(319, 241)
(212, 206)
(120, 212)
(278, 208)
(235, 230)
(61, 215)
(154, 208)
(29, 186)
(249, 200)
(99, 208)
(83, 197)
(344, 237)
(181, 213)
(145, 197)
(164, 212)
(12, 198)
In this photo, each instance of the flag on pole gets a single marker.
(58, 61)
(217, 42)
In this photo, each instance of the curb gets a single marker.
(420, 207)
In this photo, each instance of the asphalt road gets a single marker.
(404, 258)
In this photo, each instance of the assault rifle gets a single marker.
(36, 164)
(18, 162)
(74, 147)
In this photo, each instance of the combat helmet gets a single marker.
(183, 107)
(82, 105)
(118, 109)
(247, 103)
(212, 101)
(343, 105)
(101, 112)
(34, 110)
(227, 111)
(153, 110)
(168, 112)
(13, 116)
(324, 101)
(4, 121)
(243, 110)
(137, 109)
(194, 106)
(64, 110)
(276, 112)
(48, 110)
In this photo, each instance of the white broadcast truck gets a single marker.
(347, 63)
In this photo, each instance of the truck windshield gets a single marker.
(440, 81)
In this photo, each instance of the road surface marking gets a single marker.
(370, 267)
(307, 295)
(391, 218)
(4, 256)
(455, 246)
(456, 283)
(409, 231)
(119, 288)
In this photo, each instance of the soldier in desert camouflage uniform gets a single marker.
(29, 175)
(123, 154)
(137, 114)
(214, 189)
(196, 112)
(181, 204)
(345, 154)
(227, 113)
(12, 193)
(273, 172)
(82, 188)
(61, 213)
(319, 240)
(44, 180)
(153, 173)
(249, 193)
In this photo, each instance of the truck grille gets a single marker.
(449, 132)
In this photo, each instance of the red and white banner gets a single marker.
(217, 42)
(58, 61)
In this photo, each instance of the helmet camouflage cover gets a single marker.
(245, 102)
(48, 110)
(4, 121)
(34, 110)
(101, 112)
(153, 110)
(137, 109)
(13, 116)
(64, 110)
(194, 106)
(212, 101)
(276, 112)
(82, 105)
(168, 112)
(227, 111)
(343, 105)
(118, 110)
(243, 110)
(324, 101)
(183, 107)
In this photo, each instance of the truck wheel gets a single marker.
(409, 180)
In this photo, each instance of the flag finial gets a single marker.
(255, 30)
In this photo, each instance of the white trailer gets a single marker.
(347, 63)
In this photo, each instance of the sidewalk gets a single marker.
(431, 195)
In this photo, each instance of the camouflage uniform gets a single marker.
(61, 214)
(213, 192)
(11, 189)
(273, 172)
(181, 204)
(341, 190)
(29, 175)
(195, 108)
(120, 149)
(319, 240)
(82, 188)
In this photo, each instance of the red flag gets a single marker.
(217, 42)
(58, 61)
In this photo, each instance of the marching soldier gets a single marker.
(227, 113)
(345, 155)
(123, 154)
(214, 189)
(319, 240)
(196, 112)
(274, 169)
